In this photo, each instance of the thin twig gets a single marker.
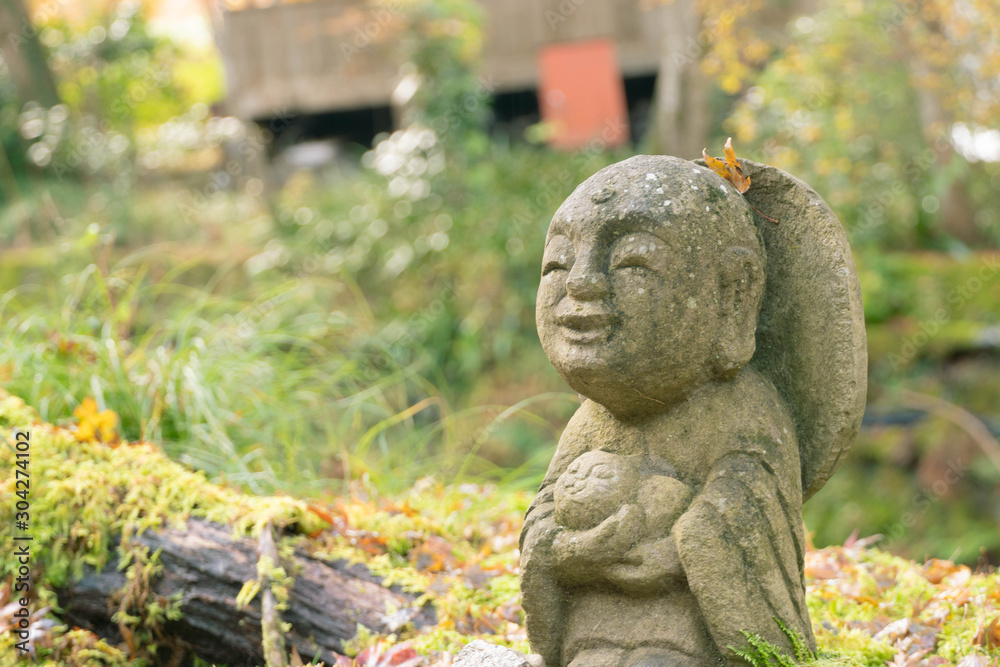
(762, 214)
(648, 398)
(959, 416)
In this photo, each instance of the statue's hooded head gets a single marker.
(651, 284)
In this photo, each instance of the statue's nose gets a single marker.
(586, 283)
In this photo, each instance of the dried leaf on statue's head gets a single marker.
(730, 169)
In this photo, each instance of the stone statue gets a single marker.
(723, 365)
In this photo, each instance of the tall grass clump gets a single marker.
(260, 382)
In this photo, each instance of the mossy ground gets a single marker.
(457, 545)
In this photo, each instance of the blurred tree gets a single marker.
(681, 119)
(117, 82)
(705, 42)
(862, 102)
(24, 56)
(442, 45)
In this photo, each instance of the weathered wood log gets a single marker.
(208, 568)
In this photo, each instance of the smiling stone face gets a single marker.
(630, 300)
(593, 487)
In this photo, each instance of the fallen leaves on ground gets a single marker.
(458, 545)
(988, 636)
(384, 655)
(866, 603)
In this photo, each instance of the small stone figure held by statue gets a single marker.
(722, 364)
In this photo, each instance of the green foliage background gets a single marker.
(375, 321)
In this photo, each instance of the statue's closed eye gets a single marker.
(637, 251)
(559, 255)
(630, 262)
(554, 264)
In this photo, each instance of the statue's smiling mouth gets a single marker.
(587, 326)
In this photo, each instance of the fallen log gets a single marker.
(207, 568)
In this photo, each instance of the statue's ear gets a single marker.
(741, 285)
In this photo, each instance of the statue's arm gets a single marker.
(739, 544)
(541, 596)
(605, 543)
(651, 566)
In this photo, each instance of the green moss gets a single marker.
(73, 648)
(141, 613)
(85, 496)
(872, 589)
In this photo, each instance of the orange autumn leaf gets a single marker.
(988, 634)
(321, 513)
(433, 555)
(730, 169)
(935, 570)
(95, 425)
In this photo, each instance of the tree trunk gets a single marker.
(25, 56)
(681, 109)
(208, 568)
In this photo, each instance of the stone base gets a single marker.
(483, 654)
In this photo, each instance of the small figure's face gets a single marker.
(592, 488)
(627, 310)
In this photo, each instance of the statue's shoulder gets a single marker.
(592, 427)
(760, 422)
(590, 419)
(589, 427)
(743, 416)
(757, 405)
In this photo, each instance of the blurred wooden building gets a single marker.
(335, 61)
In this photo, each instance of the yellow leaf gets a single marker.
(731, 84)
(94, 425)
(730, 169)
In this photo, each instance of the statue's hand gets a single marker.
(650, 567)
(605, 543)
